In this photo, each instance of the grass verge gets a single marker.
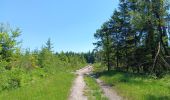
(53, 87)
(137, 87)
(93, 90)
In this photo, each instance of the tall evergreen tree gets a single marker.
(105, 43)
(136, 36)
(49, 45)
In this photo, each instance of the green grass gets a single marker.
(138, 87)
(93, 90)
(53, 87)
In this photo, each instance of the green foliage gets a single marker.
(73, 61)
(49, 45)
(21, 69)
(8, 42)
(90, 57)
(45, 58)
(3, 65)
(53, 87)
(15, 78)
(105, 43)
(98, 67)
(135, 38)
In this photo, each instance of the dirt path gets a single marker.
(108, 91)
(79, 85)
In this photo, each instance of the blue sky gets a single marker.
(69, 23)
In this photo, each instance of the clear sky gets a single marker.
(69, 23)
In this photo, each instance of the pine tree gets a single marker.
(105, 43)
(49, 45)
(136, 37)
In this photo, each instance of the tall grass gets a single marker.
(54, 87)
(93, 90)
(53, 81)
(138, 87)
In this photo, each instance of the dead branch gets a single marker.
(156, 57)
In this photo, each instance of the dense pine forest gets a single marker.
(136, 37)
(133, 46)
(130, 60)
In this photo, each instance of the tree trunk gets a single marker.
(156, 57)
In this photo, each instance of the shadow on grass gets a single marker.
(153, 97)
(141, 83)
(114, 72)
(123, 77)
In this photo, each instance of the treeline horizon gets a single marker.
(20, 67)
(5, 27)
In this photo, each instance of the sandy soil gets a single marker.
(77, 91)
(108, 91)
(79, 84)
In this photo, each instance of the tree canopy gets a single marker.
(136, 37)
